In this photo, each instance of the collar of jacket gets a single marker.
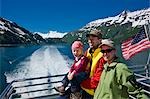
(108, 67)
(95, 52)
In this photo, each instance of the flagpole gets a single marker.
(147, 66)
(148, 60)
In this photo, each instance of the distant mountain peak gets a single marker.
(12, 33)
(125, 12)
(52, 34)
(139, 17)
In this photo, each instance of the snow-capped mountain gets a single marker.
(51, 34)
(6, 25)
(115, 27)
(118, 28)
(136, 18)
(12, 33)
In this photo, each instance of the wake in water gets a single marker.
(45, 61)
(13, 61)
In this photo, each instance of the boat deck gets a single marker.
(43, 87)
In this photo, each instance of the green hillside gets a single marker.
(116, 32)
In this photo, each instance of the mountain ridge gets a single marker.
(124, 17)
(12, 33)
(119, 28)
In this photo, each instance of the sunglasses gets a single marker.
(107, 50)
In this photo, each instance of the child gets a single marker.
(78, 72)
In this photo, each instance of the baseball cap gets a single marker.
(95, 33)
(107, 42)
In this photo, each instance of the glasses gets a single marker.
(107, 50)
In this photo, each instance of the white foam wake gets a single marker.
(43, 62)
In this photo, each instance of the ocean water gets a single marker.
(21, 62)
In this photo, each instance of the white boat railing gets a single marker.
(11, 91)
(16, 90)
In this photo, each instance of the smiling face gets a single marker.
(109, 53)
(93, 41)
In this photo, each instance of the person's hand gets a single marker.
(70, 76)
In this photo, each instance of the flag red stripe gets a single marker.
(129, 50)
(137, 50)
(142, 43)
(145, 44)
(130, 55)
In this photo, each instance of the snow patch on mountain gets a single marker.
(19, 31)
(51, 34)
(6, 25)
(139, 17)
(12, 33)
(2, 27)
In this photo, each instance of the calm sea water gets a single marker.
(32, 61)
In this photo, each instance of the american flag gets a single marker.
(136, 44)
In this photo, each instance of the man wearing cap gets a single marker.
(94, 54)
(117, 81)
